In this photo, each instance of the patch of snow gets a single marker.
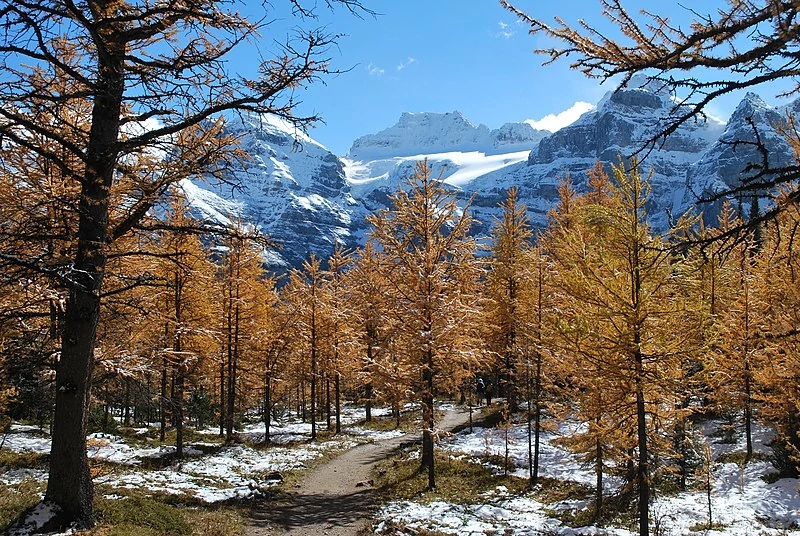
(37, 518)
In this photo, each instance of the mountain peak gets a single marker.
(422, 133)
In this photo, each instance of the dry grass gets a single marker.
(457, 481)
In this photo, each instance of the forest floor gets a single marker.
(297, 487)
(338, 497)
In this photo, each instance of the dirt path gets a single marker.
(327, 501)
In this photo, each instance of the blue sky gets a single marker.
(465, 55)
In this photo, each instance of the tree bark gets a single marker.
(313, 361)
(126, 419)
(598, 487)
(177, 401)
(70, 484)
(643, 473)
(163, 401)
(338, 389)
(328, 421)
(427, 420)
(267, 405)
(222, 394)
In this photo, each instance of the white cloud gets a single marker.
(553, 122)
(404, 64)
(506, 32)
(374, 70)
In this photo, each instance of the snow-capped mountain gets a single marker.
(620, 125)
(292, 187)
(425, 133)
(725, 164)
(308, 199)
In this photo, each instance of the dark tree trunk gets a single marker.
(178, 412)
(748, 411)
(598, 487)
(233, 349)
(126, 419)
(222, 394)
(163, 401)
(338, 389)
(177, 373)
(313, 366)
(328, 421)
(537, 416)
(643, 473)
(371, 340)
(303, 413)
(368, 396)
(428, 421)
(70, 484)
(512, 397)
(267, 405)
(537, 380)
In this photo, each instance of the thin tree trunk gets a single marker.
(370, 358)
(537, 420)
(643, 473)
(313, 369)
(748, 413)
(232, 375)
(598, 487)
(748, 403)
(328, 422)
(303, 402)
(338, 389)
(368, 396)
(104, 426)
(178, 404)
(267, 406)
(163, 407)
(126, 419)
(222, 393)
(177, 373)
(427, 420)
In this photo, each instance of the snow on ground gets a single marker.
(742, 501)
(500, 513)
(12, 477)
(228, 472)
(555, 462)
(232, 472)
(41, 514)
(291, 430)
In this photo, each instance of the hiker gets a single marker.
(480, 389)
(489, 392)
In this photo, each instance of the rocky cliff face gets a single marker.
(726, 163)
(309, 199)
(292, 187)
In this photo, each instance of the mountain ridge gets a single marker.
(309, 199)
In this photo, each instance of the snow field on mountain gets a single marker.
(457, 168)
(742, 500)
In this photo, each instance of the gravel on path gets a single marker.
(337, 498)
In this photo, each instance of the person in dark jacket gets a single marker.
(489, 392)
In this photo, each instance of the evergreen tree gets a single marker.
(510, 291)
(305, 292)
(432, 276)
(243, 284)
(620, 313)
